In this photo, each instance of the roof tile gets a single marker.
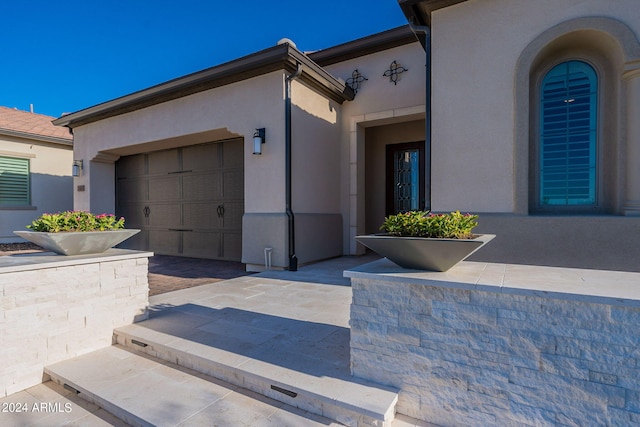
(31, 123)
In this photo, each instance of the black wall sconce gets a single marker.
(76, 168)
(258, 140)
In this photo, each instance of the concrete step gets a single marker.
(318, 385)
(145, 391)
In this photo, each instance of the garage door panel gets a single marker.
(202, 244)
(161, 162)
(165, 188)
(132, 190)
(233, 154)
(232, 219)
(168, 215)
(201, 157)
(232, 246)
(176, 197)
(202, 186)
(233, 184)
(132, 166)
(133, 215)
(167, 242)
(201, 216)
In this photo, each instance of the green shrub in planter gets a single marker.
(76, 221)
(425, 224)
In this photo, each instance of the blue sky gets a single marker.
(69, 55)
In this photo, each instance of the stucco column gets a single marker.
(631, 75)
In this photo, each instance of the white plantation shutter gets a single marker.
(14, 182)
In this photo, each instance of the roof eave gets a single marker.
(418, 12)
(36, 137)
(280, 57)
(364, 46)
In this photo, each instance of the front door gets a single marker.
(405, 177)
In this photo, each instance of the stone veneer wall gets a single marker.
(53, 308)
(542, 346)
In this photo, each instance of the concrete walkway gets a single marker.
(276, 320)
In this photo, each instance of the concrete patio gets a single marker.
(263, 349)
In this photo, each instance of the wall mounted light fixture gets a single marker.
(258, 140)
(76, 168)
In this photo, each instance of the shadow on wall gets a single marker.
(601, 242)
(47, 193)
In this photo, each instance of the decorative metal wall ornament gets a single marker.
(394, 72)
(355, 80)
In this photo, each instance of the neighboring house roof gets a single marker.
(34, 126)
(280, 57)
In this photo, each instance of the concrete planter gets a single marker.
(77, 242)
(421, 253)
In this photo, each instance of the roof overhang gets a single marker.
(35, 137)
(281, 57)
(365, 46)
(418, 12)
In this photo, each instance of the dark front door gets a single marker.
(405, 177)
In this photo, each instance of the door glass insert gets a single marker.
(406, 180)
(405, 177)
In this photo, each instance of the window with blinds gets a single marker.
(14, 182)
(568, 134)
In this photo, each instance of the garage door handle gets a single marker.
(146, 211)
(220, 211)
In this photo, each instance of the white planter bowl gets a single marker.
(77, 242)
(422, 253)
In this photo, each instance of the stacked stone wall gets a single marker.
(51, 312)
(472, 357)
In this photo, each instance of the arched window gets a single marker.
(568, 136)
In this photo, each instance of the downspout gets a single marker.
(427, 107)
(293, 259)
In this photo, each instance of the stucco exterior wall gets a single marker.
(476, 46)
(217, 114)
(315, 151)
(222, 113)
(378, 102)
(51, 191)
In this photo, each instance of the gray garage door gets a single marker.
(188, 201)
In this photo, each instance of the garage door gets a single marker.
(187, 201)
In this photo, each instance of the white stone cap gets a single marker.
(619, 288)
(39, 260)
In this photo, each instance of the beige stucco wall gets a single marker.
(486, 58)
(217, 114)
(222, 113)
(231, 111)
(315, 151)
(476, 47)
(378, 103)
(51, 191)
